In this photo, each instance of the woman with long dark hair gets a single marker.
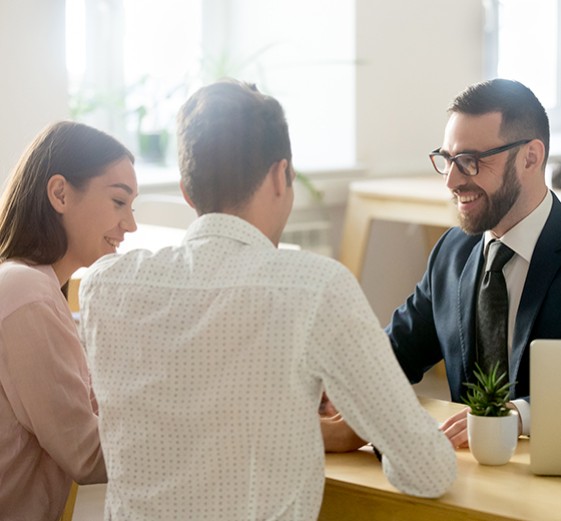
(67, 203)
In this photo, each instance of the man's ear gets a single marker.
(186, 195)
(535, 153)
(278, 173)
(57, 191)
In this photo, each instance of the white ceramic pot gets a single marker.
(492, 440)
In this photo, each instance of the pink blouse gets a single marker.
(48, 413)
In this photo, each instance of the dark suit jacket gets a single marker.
(438, 322)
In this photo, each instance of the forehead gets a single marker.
(120, 175)
(466, 132)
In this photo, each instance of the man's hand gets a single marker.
(337, 435)
(455, 429)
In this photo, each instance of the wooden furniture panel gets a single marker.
(416, 200)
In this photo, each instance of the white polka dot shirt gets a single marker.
(208, 362)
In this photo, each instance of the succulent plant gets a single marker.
(489, 395)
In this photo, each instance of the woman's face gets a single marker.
(97, 216)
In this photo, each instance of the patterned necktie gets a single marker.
(492, 310)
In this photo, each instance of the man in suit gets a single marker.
(493, 159)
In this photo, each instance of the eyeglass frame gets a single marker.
(476, 155)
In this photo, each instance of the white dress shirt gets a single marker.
(209, 360)
(521, 239)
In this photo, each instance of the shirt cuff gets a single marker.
(523, 408)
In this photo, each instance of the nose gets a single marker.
(129, 224)
(454, 178)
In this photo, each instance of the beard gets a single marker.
(497, 205)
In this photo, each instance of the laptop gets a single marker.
(545, 400)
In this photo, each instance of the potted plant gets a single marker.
(152, 140)
(492, 426)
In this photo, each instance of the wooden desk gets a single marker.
(418, 200)
(357, 489)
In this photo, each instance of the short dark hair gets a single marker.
(523, 116)
(30, 228)
(229, 135)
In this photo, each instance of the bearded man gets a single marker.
(493, 160)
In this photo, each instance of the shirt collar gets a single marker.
(522, 238)
(227, 226)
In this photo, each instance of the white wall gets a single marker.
(415, 57)
(32, 72)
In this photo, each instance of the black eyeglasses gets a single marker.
(468, 162)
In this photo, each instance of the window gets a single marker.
(523, 42)
(132, 63)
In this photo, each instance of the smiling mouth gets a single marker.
(112, 242)
(467, 198)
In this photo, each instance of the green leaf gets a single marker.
(489, 394)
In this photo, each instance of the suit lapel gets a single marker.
(467, 290)
(545, 263)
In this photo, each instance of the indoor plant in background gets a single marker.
(492, 426)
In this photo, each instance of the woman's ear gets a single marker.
(57, 191)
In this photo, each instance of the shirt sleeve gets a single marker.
(353, 357)
(45, 375)
(523, 408)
